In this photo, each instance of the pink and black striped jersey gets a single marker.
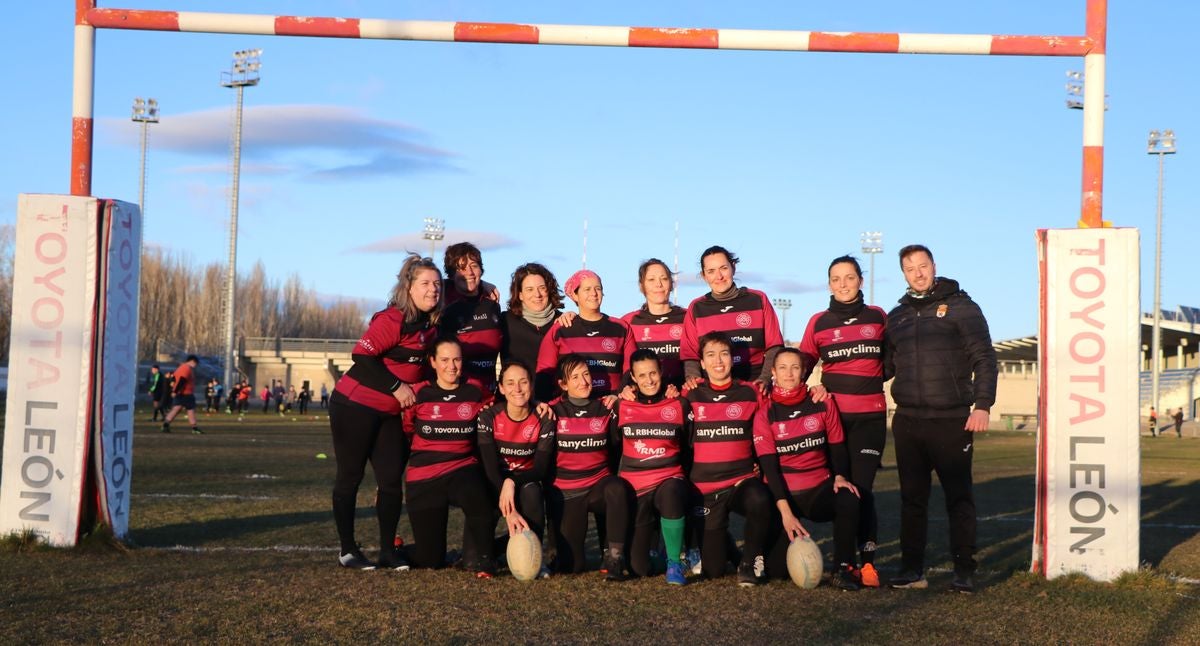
(400, 345)
(747, 318)
(652, 437)
(442, 429)
(475, 322)
(606, 344)
(511, 449)
(722, 438)
(662, 334)
(850, 347)
(583, 453)
(801, 434)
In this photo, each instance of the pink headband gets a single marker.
(576, 278)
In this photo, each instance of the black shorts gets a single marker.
(187, 401)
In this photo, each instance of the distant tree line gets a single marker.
(183, 306)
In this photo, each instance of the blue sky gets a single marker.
(783, 157)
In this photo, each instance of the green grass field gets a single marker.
(233, 542)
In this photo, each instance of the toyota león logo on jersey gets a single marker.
(743, 320)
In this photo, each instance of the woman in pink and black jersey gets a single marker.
(584, 478)
(604, 342)
(744, 315)
(442, 467)
(474, 316)
(652, 431)
(658, 324)
(516, 448)
(808, 478)
(364, 411)
(847, 339)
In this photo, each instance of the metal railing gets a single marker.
(279, 345)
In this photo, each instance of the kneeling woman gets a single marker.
(442, 469)
(810, 480)
(583, 480)
(516, 448)
(651, 430)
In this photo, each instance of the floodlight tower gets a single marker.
(1161, 144)
(783, 304)
(435, 230)
(872, 245)
(243, 73)
(144, 112)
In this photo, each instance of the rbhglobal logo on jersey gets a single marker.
(1087, 515)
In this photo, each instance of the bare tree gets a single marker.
(7, 235)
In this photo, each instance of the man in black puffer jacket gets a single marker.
(938, 348)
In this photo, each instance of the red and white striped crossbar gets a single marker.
(88, 18)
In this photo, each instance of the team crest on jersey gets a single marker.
(676, 331)
(733, 411)
(837, 335)
(562, 426)
(437, 412)
(942, 309)
(609, 345)
(669, 413)
(464, 411)
(529, 431)
(646, 333)
(868, 332)
(782, 430)
(597, 424)
(743, 320)
(700, 413)
(812, 423)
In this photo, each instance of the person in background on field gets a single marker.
(534, 303)
(184, 391)
(847, 340)
(366, 406)
(156, 385)
(474, 318)
(302, 397)
(210, 393)
(324, 397)
(744, 315)
(280, 394)
(1179, 422)
(243, 398)
(168, 393)
(1153, 422)
(265, 396)
(938, 347)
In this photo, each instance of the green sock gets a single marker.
(672, 531)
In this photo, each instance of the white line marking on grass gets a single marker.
(243, 549)
(209, 496)
(261, 476)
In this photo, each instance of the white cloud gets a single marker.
(485, 240)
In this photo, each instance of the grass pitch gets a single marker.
(232, 541)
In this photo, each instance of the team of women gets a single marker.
(659, 424)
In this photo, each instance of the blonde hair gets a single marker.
(404, 279)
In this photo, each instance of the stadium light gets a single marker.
(783, 304)
(872, 245)
(145, 112)
(435, 229)
(1074, 89)
(1161, 144)
(243, 73)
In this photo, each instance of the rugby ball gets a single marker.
(524, 555)
(805, 563)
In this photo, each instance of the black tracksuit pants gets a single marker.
(361, 434)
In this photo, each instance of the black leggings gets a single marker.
(531, 504)
(818, 504)
(608, 498)
(866, 435)
(361, 434)
(752, 500)
(668, 500)
(429, 512)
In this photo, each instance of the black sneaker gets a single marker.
(843, 578)
(962, 584)
(614, 569)
(750, 574)
(393, 560)
(196, 431)
(354, 560)
(908, 580)
(166, 427)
